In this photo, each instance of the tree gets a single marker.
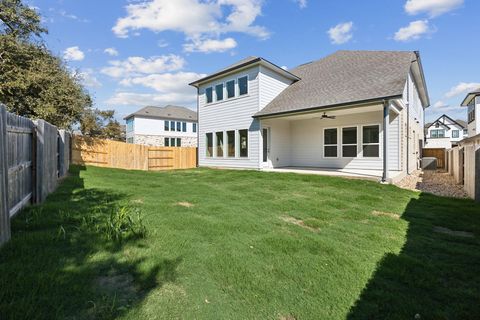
(33, 82)
(97, 123)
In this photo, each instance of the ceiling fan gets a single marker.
(324, 116)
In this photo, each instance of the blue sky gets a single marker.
(136, 53)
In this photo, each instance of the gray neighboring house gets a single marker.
(169, 126)
(472, 102)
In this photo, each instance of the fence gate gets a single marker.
(438, 153)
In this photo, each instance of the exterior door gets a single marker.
(266, 146)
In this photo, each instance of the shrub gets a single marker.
(124, 222)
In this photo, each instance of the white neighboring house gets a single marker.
(361, 110)
(472, 101)
(445, 132)
(170, 126)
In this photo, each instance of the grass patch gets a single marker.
(349, 249)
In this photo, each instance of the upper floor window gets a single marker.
(179, 126)
(465, 131)
(219, 91)
(455, 133)
(437, 133)
(209, 94)
(167, 125)
(130, 124)
(243, 85)
(230, 89)
(471, 112)
(184, 126)
(172, 125)
(194, 127)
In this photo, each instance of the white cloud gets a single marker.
(341, 33)
(165, 82)
(301, 3)
(415, 30)
(431, 7)
(210, 45)
(462, 88)
(88, 78)
(201, 20)
(134, 66)
(73, 54)
(111, 52)
(162, 43)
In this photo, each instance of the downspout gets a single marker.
(198, 127)
(408, 124)
(386, 120)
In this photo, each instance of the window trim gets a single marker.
(457, 132)
(234, 89)
(216, 144)
(223, 91)
(166, 142)
(194, 127)
(380, 141)
(349, 144)
(248, 85)
(184, 126)
(206, 95)
(239, 144)
(436, 131)
(166, 126)
(174, 126)
(331, 145)
(206, 145)
(234, 143)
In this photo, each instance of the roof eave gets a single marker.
(338, 105)
(258, 60)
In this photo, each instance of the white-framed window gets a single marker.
(209, 94)
(179, 142)
(230, 86)
(194, 127)
(172, 125)
(130, 122)
(371, 141)
(179, 126)
(209, 145)
(437, 133)
(349, 142)
(166, 142)
(184, 127)
(455, 133)
(219, 146)
(242, 85)
(231, 143)
(167, 125)
(243, 143)
(330, 143)
(219, 92)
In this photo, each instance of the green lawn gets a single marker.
(227, 244)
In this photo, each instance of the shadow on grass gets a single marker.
(57, 267)
(437, 274)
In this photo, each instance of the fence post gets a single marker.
(4, 212)
(39, 170)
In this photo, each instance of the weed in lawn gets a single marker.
(124, 222)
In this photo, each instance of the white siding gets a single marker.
(394, 142)
(151, 126)
(280, 142)
(231, 114)
(307, 142)
(271, 85)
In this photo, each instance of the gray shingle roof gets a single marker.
(167, 112)
(344, 77)
(470, 96)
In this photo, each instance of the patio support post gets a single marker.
(386, 121)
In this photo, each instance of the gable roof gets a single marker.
(469, 97)
(167, 112)
(249, 61)
(348, 77)
(460, 123)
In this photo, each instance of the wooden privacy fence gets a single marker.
(438, 153)
(33, 155)
(121, 155)
(464, 165)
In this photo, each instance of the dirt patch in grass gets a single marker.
(463, 234)
(288, 317)
(386, 214)
(137, 201)
(299, 223)
(185, 204)
(118, 285)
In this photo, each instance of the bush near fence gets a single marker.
(34, 155)
(121, 155)
(464, 165)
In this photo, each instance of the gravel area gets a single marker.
(437, 182)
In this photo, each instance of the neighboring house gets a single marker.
(170, 126)
(472, 101)
(445, 132)
(360, 110)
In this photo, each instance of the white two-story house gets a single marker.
(361, 111)
(445, 132)
(169, 126)
(472, 102)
